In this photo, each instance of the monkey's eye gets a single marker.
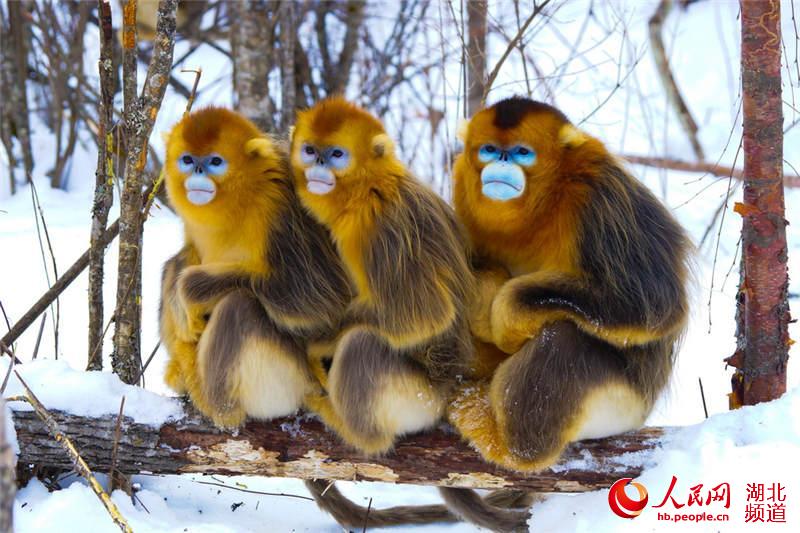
(337, 157)
(488, 153)
(523, 155)
(308, 154)
(185, 163)
(215, 165)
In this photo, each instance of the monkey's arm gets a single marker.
(172, 316)
(200, 287)
(527, 303)
(489, 283)
(415, 248)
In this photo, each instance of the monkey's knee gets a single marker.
(248, 366)
(379, 393)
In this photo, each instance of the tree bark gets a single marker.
(252, 50)
(103, 192)
(7, 81)
(18, 97)
(140, 115)
(288, 41)
(763, 339)
(301, 447)
(7, 482)
(477, 11)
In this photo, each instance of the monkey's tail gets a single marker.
(468, 505)
(352, 515)
(461, 504)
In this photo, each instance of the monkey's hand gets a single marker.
(194, 304)
(525, 304)
(489, 283)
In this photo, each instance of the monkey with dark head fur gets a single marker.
(256, 280)
(407, 338)
(583, 286)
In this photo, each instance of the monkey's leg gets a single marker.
(560, 387)
(248, 367)
(376, 393)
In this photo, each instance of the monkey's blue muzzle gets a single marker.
(501, 180)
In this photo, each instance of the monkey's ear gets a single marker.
(382, 145)
(259, 146)
(291, 132)
(570, 136)
(463, 130)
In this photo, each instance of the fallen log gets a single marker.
(301, 447)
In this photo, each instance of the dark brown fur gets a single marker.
(511, 111)
(470, 507)
(417, 246)
(354, 516)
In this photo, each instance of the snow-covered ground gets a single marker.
(753, 445)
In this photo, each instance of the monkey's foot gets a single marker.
(470, 412)
(372, 443)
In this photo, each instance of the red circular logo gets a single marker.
(621, 504)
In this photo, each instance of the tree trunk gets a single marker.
(252, 52)
(18, 97)
(103, 192)
(7, 81)
(301, 447)
(763, 338)
(288, 41)
(8, 484)
(140, 115)
(476, 55)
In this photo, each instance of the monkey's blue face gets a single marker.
(321, 165)
(200, 173)
(503, 177)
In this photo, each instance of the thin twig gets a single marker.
(719, 171)
(39, 337)
(703, 396)
(8, 375)
(254, 491)
(147, 363)
(79, 463)
(366, 516)
(674, 97)
(112, 474)
(197, 73)
(510, 48)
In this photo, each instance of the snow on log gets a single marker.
(301, 447)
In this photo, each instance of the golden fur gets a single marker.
(583, 286)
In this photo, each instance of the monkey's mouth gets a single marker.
(319, 180)
(200, 190)
(502, 181)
